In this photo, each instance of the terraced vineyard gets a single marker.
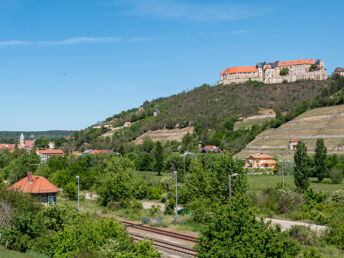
(326, 123)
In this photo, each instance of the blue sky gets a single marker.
(66, 64)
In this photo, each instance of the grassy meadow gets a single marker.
(257, 183)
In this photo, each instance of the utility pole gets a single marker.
(184, 166)
(176, 173)
(78, 193)
(230, 185)
(282, 161)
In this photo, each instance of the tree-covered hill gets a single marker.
(34, 134)
(205, 107)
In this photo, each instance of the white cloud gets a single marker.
(192, 11)
(80, 40)
(92, 40)
(65, 42)
(12, 43)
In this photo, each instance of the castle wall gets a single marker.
(238, 77)
(270, 75)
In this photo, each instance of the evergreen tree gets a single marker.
(320, 159)
(121, 150)
(159, 157)
(301, 167)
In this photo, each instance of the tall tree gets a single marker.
(159, 157)
(320, 159)
(301, 167)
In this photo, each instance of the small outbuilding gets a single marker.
(39, 187)
(292, 143)
(211, 148)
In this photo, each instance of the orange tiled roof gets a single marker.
(50, 152)
(296, 62)
(267, 67)
(128, 123)
(29, 143)
(38, 185)
(240, 69)
(99, 151)
(209, 147)
(293, 140)
(260, 156)
(7, 146)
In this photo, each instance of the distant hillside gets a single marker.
(35, 134)
(205, 108)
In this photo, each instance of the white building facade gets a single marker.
(270, 72)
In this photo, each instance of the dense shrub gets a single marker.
(94, 237)
(71, 191)
(61, 231)
(303, 235)
(232, 230)
(338, 196)
(281, 200)
(312, 198)
(336, 175)
(208, 178)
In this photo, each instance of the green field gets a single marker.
(151, 176)
(5, 253)
(259, 183)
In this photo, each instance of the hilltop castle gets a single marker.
(276, 72)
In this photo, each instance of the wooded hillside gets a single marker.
(205, 107)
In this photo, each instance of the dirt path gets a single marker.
(287, 224)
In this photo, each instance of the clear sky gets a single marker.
(66, 64)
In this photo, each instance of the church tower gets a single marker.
(22, 141)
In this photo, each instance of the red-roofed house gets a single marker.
(51, 145)
(260, 160)
(45, 154)
(127, 124)
(6, 146)
(211, 148)
(37, 186)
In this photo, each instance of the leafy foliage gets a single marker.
(207, 178)
(61, 231)
(232, 230)
(320, 159)
(301, 167)
(284, 71)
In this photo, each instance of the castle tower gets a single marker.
(22, 141)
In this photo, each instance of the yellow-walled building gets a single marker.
(260, 160)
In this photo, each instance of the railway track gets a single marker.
(163, 245)
(161, 232)
(166, 246)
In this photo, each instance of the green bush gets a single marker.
(338, 196)
(232, 230)
(303, 235)
(208, 178)
(155, 193)
(71, 191)
(281, 200)
(284, 71)
(312, 198)
(336, 175)
(89, 237)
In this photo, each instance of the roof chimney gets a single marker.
(29, 177)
